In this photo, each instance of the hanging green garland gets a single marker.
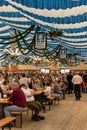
(55, 33)
(14, 40)
(30, 46)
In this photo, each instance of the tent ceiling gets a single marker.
(70, 16)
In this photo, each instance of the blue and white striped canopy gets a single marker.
(70, 16)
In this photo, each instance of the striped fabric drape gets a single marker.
(70, 16)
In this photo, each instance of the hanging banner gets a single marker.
(40, 40)
(73, 59)
(77, 61)
(63, 53)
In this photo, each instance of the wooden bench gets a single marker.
(56, 97)
(49, 101)
(19, 113)
(31, 110)
(7, 121)
(52, 98)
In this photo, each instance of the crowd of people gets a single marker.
(23, 85)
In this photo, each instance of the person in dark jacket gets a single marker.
(70, 84)
(85, 82)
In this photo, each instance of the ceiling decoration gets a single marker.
(20, 20)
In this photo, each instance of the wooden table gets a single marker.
(3, 103)
(37, 92)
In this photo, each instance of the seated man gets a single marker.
(18, 100)
(34, 105)
(59, 88)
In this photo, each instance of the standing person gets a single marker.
(36, 85)
(30, 82)
(24, 79)
(77, 80)
(70, 84)
(18, 100)
(85, 82)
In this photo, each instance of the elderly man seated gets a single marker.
(18, 100)
(34, 105)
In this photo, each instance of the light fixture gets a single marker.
(75, 0)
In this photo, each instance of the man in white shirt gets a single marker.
(24, 79)
(34, 105)
(77, 80)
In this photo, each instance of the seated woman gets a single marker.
(5, 86)
(36, 85)
(47, 91)
(45, 95)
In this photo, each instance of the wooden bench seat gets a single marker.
(56, 97)
(49, 101)
(6, 121)
(31, 110)
(19, 113)
(52, 98)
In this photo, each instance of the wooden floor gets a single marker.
(68, 115)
